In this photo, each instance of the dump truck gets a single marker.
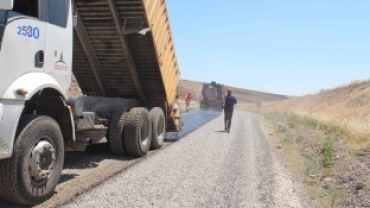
(212, 96)
(123, 57)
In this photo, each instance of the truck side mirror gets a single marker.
(74, 19)
(6, 4)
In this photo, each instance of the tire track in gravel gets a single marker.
(207, 168)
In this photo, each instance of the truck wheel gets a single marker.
(30, 176)
(158, 122)
(116, 133)
(138, 132)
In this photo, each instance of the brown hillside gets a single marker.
(347, 107)
(186, 87)
(243, 95)
(74, 88)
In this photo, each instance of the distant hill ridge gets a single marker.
(193, 87)
(243, 95)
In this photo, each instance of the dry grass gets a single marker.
(309, 152)
(346, 108)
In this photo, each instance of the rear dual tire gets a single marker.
(138, 132)
(158, 123)
(116, 128)
(116, 133)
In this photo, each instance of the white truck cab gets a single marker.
(31, 61)
(35, 58)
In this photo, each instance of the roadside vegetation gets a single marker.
(311, 154)
(325, 140)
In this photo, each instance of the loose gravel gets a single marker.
(207, 168)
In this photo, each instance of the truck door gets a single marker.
(58, 43)
(22, 45)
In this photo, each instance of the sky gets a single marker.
(290, 47)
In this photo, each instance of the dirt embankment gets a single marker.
(346, 107)
(325, 138)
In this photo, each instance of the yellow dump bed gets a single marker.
(124, 48)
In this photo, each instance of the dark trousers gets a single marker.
(228, 117)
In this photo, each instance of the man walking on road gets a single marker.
(187, 101)
(228, 105)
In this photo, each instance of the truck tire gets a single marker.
(116, 133)
(138, 132)
(158, 123)
(30, 176)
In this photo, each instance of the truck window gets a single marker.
(20, 8)
(25, 7)
(58, 12)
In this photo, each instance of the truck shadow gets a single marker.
(4, 204)
(221, 131)
(67, 177)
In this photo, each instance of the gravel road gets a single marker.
(85, 170)
(207, 168)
